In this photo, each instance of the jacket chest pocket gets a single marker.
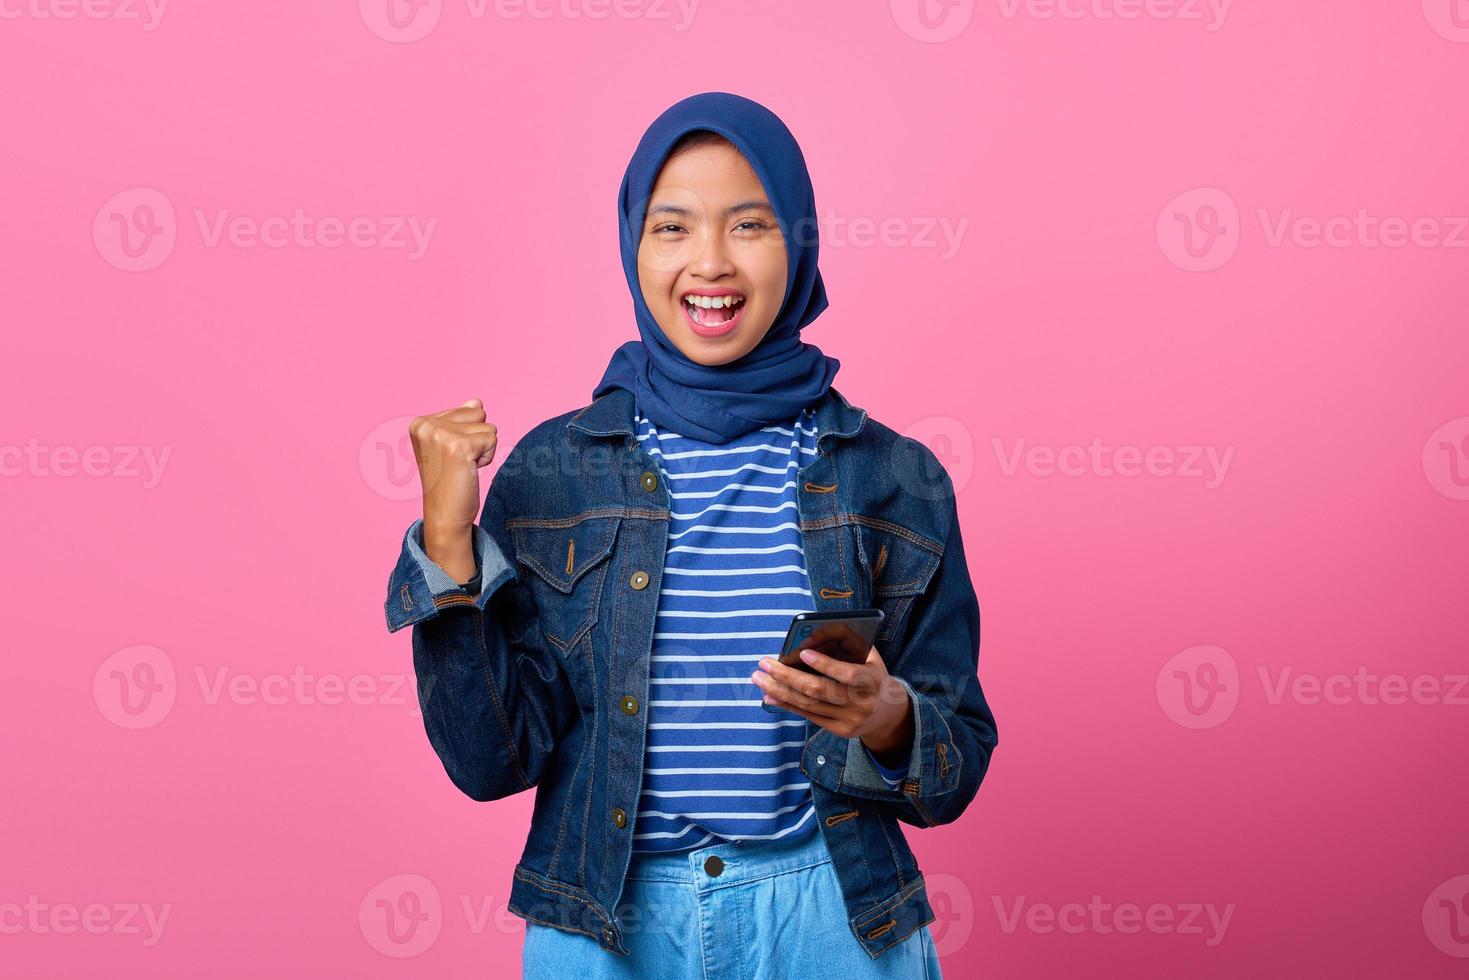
(568, 562)
(898, 566)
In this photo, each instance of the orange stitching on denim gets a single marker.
(902, 896)
(835, 593)
(882, 557)
(882, 928)
(837, 818)
(820, 487)
(405, 597)
(570, 555)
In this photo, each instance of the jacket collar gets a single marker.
(612, 414)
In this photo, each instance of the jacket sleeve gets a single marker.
(494, 694)
(954, 731)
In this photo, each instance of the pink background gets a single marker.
(1114, 280)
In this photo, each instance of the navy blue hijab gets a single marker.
(782, 374)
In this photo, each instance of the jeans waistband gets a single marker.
(740, 861)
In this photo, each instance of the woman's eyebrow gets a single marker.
(682, 212)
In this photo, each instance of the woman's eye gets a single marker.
(667, 227)
(752, 224)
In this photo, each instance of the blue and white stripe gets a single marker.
(718, 766)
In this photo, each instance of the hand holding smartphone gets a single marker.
(845, 635)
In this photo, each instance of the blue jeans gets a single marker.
(738, 910)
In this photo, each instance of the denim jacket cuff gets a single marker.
(890, 775)
(419, 587)
(933, 762)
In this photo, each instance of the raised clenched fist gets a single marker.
(449, 448)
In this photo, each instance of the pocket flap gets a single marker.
(562, 550)
(896, 562)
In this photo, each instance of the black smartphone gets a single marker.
(844, 635)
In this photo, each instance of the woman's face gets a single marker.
(710, 237)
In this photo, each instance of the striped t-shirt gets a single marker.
(718, 766)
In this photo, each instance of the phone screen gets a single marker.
(844, 635)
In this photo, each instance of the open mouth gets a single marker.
(710, 314)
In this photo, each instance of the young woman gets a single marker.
(607, 630)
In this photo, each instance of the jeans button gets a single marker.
(639, 580)
(650, 481)
(630, 705)
(619, 816)
(713, 866)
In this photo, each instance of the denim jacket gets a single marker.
(539, 679)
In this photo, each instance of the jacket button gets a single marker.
(639, 580)
(619, 817)
(629, 705)
(821, 760)
(713, 866)
(650, 481)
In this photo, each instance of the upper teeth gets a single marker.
(709, 302)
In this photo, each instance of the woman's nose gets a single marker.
(711, 259)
